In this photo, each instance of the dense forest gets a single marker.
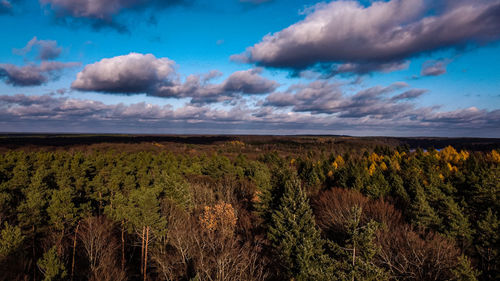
(304, 208)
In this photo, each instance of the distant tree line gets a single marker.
(375, 214)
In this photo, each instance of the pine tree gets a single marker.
(423, 215)
(144, 214)
(464, 270)
(455, 222)
(357, 252)
(488, 245)
(269, 194)
(10, 239)
(61, 210)
(296, 238)
(52, 266)
(175, 188)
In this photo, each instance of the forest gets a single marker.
(249, 208)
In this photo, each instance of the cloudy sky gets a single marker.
(396, 67)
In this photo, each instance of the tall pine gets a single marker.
(296, 238)
(356, 254)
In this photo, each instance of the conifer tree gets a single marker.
(455, 223)
(144, 214)
(464, 270)
(356, 254)
(10, 239)
(52, 266)
(296, 238)
(61, 210)
(423, 215)
(488, 245)
(269, 194)
(175, 188)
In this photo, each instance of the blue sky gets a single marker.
(400, 68)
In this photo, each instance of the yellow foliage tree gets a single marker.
(220, 218)
(383, 166)
(339, 162)
(449, 154)
(495, 156)
(330, 173)
(372, 169)
(452, 168)
(464, 155)
(374, 157)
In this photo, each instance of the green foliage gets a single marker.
(43, 194)
(61, 210)
(10, 239)
(175, 188)
(270, 194)
(32, 211)
(488, 244)
(377, 186)
(294, 235)
(464, 270)
(52, 266)
(357, 251)
(217, 166)
(456, 223)
(143, 209)
(310, 172)
(423, 215)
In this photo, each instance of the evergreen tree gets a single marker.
(423, 215)
(143, 211)
(464, 270)
(61, 210)
(175, 188)
(52, 266)
(10, 240)
(32, 211)
(357, 252)
(296, 238)
(269, 194)
(488, 245)
(455, 223)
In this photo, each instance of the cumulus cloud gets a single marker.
(132, 73)
(47, 49)
(434, 67)
(144, 73)
(200, 90)
(49, 113)
(32, 74)
(101, 13)
(374, 37)
(65, 109)
(471, 116)
(367, 67)
(323, 97)
(317, 96)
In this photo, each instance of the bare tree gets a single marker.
(100, 245)
(406, 253)
(414, 255)
(206, 246)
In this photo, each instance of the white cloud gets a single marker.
(138, 73)
(381, 36)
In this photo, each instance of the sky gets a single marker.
(363, 68)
